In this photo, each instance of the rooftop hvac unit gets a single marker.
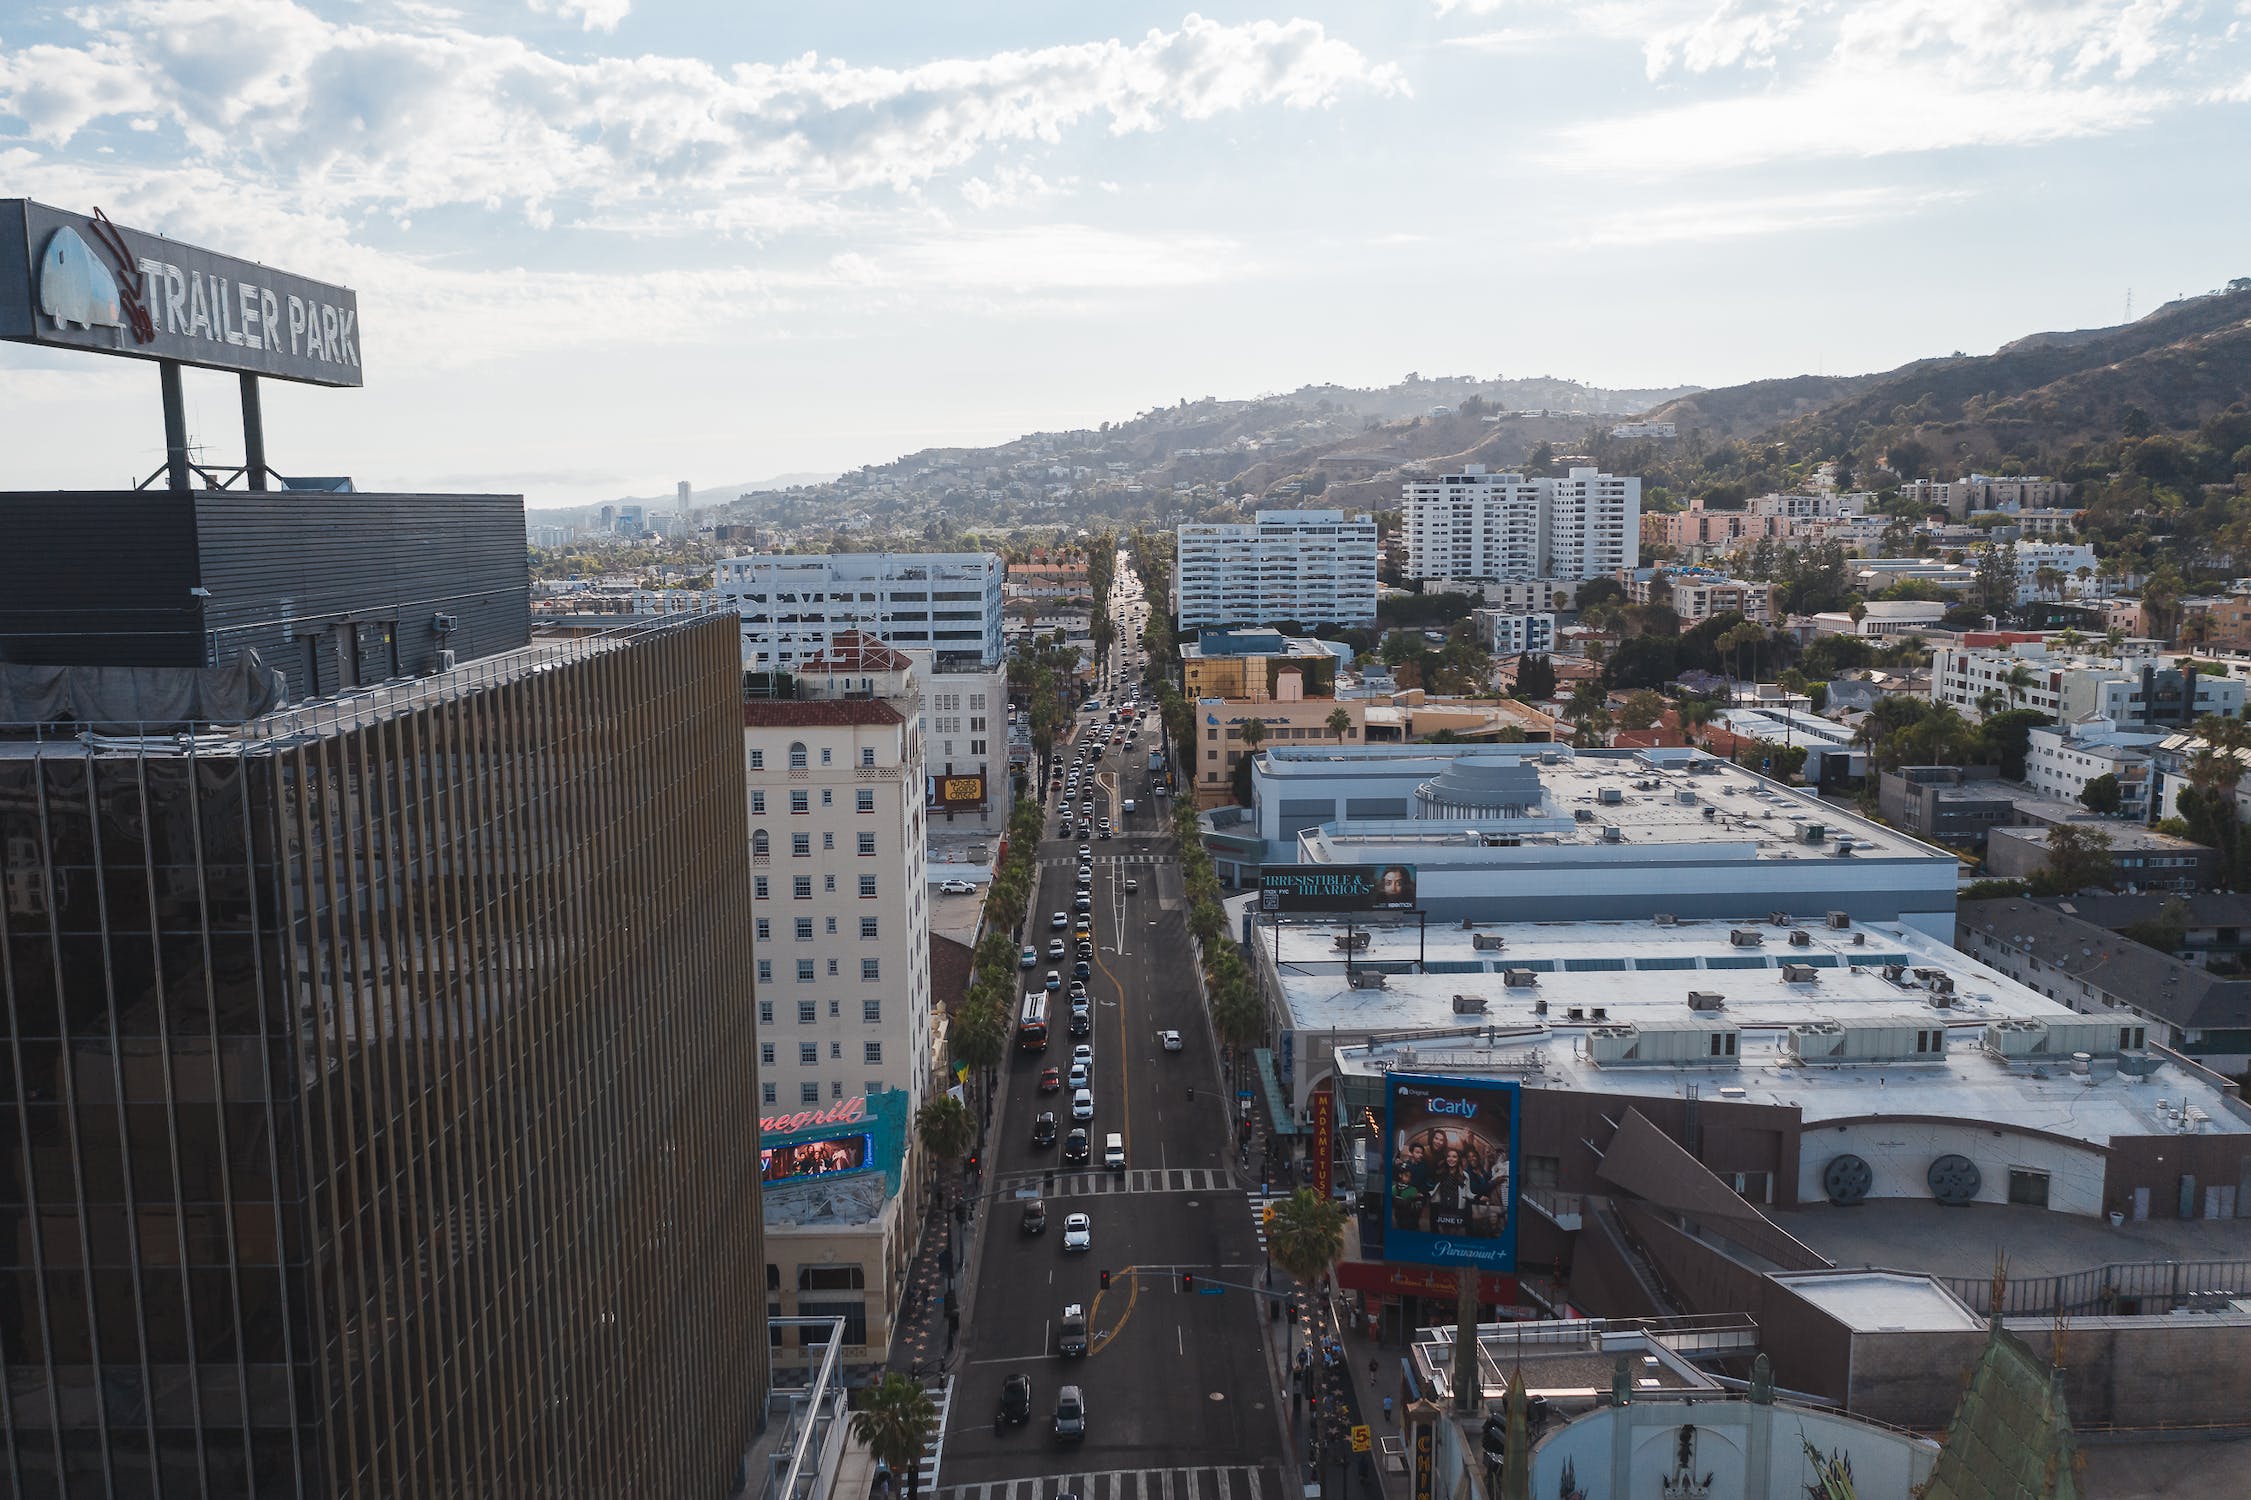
(1522, 979)
(1540, 1007)
(1942, 999)
(1469, 1005)
(1895, 973)
(1712, 813)
(447, 661)
(1744, 937)
(1777, 919)
(1815, 1041)
(1611, 796)
(1599, 1013)
(1551, 758)
(1575, 1013)
(1842, 851)
(1665, 919)
(1799, 973)
(1613, 834)
(1368, 979)
(1487, 942)
(1801, 939)
(1813, 833)
(1583, 815)
(1840, 919)
(1706, 1000)
(1685, 796)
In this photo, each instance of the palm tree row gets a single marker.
(1236, 1014)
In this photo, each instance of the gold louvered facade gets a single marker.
(377, 1103)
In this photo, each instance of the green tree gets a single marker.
(1535, 678)
(1641, 709)
(2078, 857)
(1254, 734)
(945, 1128)
(1339, 723)
(1306, 1235)
(2102, 794)
(895, 1421)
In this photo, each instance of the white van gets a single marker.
(1113, 1152)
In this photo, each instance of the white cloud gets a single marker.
(1701, 219)
(425, 113)
(1776, 80)
(592, 15)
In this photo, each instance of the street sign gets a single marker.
(1211, 1291)
(1242, 1093)
(1361, 1440)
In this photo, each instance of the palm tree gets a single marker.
(1693, 714)
(2114, 637)
(1254, 734)
(1340, 724)
(2069, 640)
(2019, 682)
(2047, 578)
(1305, 1236)
(1737, 640)
(895, 1424)
(945, 1128)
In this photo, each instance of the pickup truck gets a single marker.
(1070, 1335)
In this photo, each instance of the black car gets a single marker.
(1035, 1217)
(1075, 1148)
(1082, 969)
(1082, 1024)
(1016, 1399)
(1043, 1128)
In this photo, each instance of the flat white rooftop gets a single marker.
(1883, 1301)
(1591, 976)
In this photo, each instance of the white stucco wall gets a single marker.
(1900, 1153)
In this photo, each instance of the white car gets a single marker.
(1086, 852)
(958, 888)
(1059, 921)
(1083, 1053)
(1131, 885)
(1081, 1075)
(1078, 1232)
(1171, 1039)
(1082, 1104)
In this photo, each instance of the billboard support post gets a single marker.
(253, 433)
(175, 426)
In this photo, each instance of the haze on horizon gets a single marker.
(602, 245)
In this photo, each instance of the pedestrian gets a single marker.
(1374, 1367)
(1387, 1411)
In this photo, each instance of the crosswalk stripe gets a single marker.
(1207, 1482)
(1219, 1479)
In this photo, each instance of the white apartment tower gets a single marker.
(1309, 566)
(839, 907)
(1480, 525)
(793, 605)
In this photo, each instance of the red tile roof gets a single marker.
(819, 713)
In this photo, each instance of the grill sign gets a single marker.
(957, 791)
(77, 281)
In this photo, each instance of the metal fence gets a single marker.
(2148, 1287)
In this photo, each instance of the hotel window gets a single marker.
(805, 929)
(766, 1053)
(765, 929)
(805, 971)
(808, 1093)
(801, 887)
(824, 755)
(800, 802)
(867, 755)
(829, 926)
(797, 755)
(828, 797)
(758, 804)
(832, 975)
(871, 1010)
(760, 845)
(766, 1007)
(800, 845)
(864, 799)
(766, 976)
(867, 845)
(758, 760)
(867, 887)
(874, 1051)
(828, 841)
(867, 927)
(871, 968)
(766, 1095)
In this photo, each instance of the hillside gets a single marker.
(1745, 411)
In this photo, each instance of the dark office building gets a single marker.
(377, 1074)
(332, 591)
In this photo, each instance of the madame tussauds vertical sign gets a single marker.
(77, 281)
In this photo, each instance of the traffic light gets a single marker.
(972, 1161)
(1188, 1281)
(1105, 1281)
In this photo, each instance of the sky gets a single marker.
(604, 245)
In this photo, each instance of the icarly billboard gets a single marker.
(1450, 1172)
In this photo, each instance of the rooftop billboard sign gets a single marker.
(77, 281)
(1336, 888)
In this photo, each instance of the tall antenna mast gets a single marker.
(2129, 304)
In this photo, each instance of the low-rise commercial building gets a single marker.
(2060, 759)
(2139, 856)
(1544, 832)
(1249, 664)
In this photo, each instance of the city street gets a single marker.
(1179, 1398)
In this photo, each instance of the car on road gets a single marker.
(1078, 994)
(1070, 1415)
(1076, 1149)
(1171, 1040)
(1043, 1127)
(1054, 982)
(1086, 876)
(1082, 1024)
(1035, 1217)
(1080, 1076)
(1078, 1232)
(1029, 960)
(957, 887)
(1083, 969)
(1086, 853)
(1059, 921)
(1086, 830)
(1051, 1079)
(1082, 923)
(1082, 902)
(1131, 885)
(1102, 830)
(1055, 948)
(1016, 1399)
(1083, 1052)
(1082, 1104)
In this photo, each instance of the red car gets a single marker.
(1051, 1081)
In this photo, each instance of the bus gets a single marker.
(1031, 1027)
